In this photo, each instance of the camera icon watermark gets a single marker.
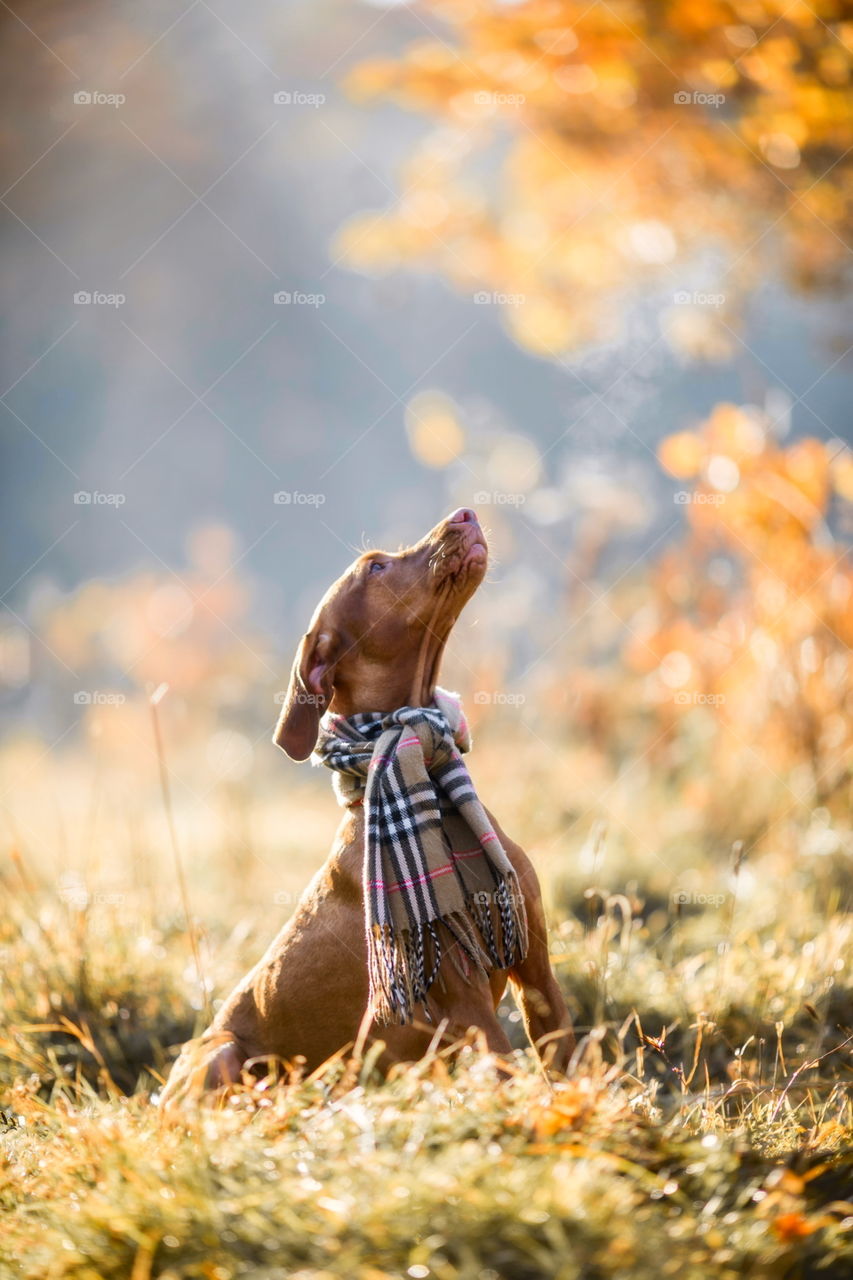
(301, 697)
(484, 698)
(95, 98)
(295, 498)
(684, 497)
(72, 890)
(83, 298)
(284, 898)
(97, 698)
(695, 299)
(498, 499)
(690, 698)
(283, 298)
(94, 498)
(484, 98)
(687, 898)
(494, 299)
(683, 98)
(296, 98)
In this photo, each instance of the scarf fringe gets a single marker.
(501, 920)
(403, 964)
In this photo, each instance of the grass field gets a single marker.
(580, 267)
(707, 1129)
(679, 768)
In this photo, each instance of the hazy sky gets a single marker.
(186, 197)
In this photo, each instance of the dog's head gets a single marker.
(376, 638)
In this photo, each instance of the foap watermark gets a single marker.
(295, 498)
(72, 890)
(498, 499)
(690, 698)
(683, 497)
(83, 298)
(696, 299)
(283, 298)
(297, 98)
(302, 698)
(96, 98)
(687, 898)
(284, 898)
(97, 698)
(94, 498)
(484, 698)
(485, 98)
(684, 98)
(485, 299)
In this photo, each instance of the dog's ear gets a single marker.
(310, 690)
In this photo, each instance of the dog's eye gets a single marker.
(377, 566)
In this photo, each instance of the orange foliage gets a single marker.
(790, 1227)
(639, 135)
(753, 615)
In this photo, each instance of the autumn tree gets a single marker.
(585, 151)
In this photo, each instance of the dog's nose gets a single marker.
(463, 516)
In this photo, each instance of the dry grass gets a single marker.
(678, 764)
(431, 1174)
(708, 1128)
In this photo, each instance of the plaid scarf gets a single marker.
(435, 873)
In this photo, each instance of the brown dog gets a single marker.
(374, 644)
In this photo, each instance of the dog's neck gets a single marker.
(430, 652)
(387, 688)
(407, 680)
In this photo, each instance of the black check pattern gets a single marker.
(436, 878)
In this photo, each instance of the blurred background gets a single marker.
(284, 281)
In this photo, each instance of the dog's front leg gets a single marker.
(546, 1018)
(537, 992)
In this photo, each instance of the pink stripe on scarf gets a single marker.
(407, 884)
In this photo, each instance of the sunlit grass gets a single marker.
(707, 1128)
(685, 798)
(431, 1173)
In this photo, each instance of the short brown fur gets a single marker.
(374, 644)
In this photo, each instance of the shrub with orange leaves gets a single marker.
(792, 1226)
(753, 614)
